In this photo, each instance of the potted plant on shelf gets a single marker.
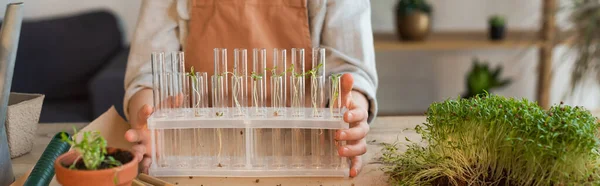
(413, 19)
(493, 140)
(584, 39)
(497, 26)
(482, 79)
(92, 163)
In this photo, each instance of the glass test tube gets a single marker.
(239, 81)
(317, 81)
(297, 106)
(238, 158)
(179, 81)
(219, 83)
(297, 82)
(277, 102)
(336, 161)
(319, 142)
(161, 156)
(156, 83)
(199, 94)
(280, 68)
(335, 100)
(258, 83)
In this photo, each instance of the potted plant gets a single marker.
(482, 79)
(413, 19)
(497, 26)
(493, 140)
(584, 39)
(92, 163)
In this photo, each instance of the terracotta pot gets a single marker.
(68, 177)
(414, 26)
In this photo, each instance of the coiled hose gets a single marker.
(43, 171)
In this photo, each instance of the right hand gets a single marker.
(140, 135)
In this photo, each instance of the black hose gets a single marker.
(43, 171)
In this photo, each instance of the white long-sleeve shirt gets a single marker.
(343, 27)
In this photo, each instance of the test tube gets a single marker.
(157, 63)
(297, 83)
(317, 81)
(337, 161)
(280, 68)
(318, 147)
(199, 95)
(165, 88)
(239, 83)
(238, 158)
(219, 83)
(277, 102)
(278, 82)
(259, 148)
(335, 100)
(278, 141)
(257, 79)
(179, 82)
(161, 150)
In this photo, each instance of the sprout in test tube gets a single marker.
(296, 89)
(219, 80)
(335, 92)
(192, 74)
(276, 96)
(255, 94)
(314, 89)
(235, 87)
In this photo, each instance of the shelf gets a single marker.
(457, 40)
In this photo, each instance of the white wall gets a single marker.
(410, 81)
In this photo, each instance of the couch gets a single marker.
(78, 62)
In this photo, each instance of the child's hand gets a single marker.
(140, 135)
(356, 117)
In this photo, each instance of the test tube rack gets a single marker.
(229, 131)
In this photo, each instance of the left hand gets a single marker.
(356, 116)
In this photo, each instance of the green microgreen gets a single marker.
(493, 140)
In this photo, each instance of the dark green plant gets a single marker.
(406, 7)
(496, 21)
(493, 140)
(92, 150)
(482, 79)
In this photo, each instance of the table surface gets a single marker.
(383, 129)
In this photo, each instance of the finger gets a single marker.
(139, 151)
(132, 136)
(350, 150)
(136, 135)
(355, 115)
(355, 133)
(347, 82)
(145, 165)
(143, 115)
(356, 166)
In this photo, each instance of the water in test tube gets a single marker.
(239, 81)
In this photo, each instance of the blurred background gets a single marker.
(82, 46)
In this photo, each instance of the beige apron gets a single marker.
(245, 24)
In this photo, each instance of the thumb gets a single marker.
(347, 85)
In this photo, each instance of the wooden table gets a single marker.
(383, 129)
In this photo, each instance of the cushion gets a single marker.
(57, 57)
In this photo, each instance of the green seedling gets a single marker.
(92, 151)
(497, 21)
(493, 140)
(335, 92)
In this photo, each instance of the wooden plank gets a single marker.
(457, 40)
(548, 36)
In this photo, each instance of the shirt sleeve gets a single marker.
(348, 36)
(156, 31)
